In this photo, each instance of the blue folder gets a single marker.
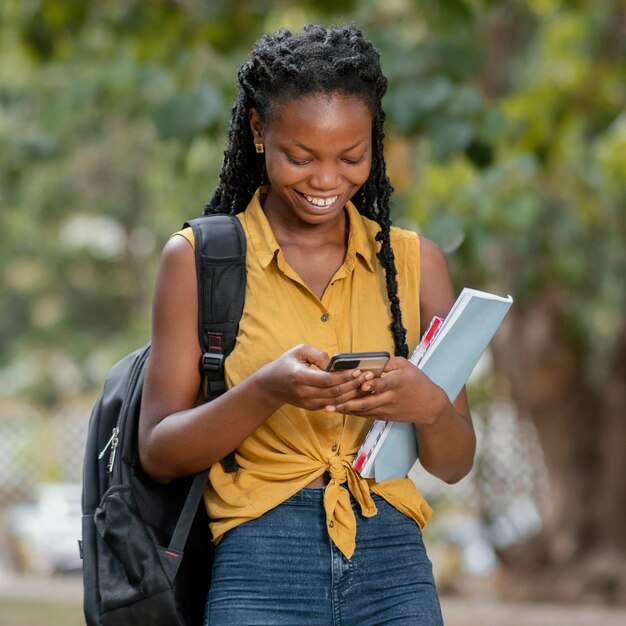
(448, 362)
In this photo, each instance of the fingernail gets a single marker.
(356, 373)
(329, 409)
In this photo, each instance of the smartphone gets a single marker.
(369, 361)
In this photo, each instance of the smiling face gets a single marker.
(318, 151)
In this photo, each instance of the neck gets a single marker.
(289, 230)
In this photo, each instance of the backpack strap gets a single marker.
(220, 249)
(185, 520)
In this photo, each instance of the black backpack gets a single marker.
(146, 547)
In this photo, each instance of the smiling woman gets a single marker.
(315, 167)
(318, 149)
(301, 537)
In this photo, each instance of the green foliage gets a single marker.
(547, 219)
(509, 116)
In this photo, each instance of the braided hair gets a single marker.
(318, 60)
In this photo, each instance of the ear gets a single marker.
(256, 126)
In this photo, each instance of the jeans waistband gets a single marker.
(315, 495)
(308, 495)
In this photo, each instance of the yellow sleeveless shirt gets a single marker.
(295, 446)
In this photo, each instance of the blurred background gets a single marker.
(506, 144)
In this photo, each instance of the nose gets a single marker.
(326, 177)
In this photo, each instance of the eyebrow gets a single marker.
(297, 144)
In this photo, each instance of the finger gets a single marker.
(394, 363)
(319, 389)
(351, 388)
(340, 381)
(378, 385)
(367, 406)
(326, 382)
(351, 394)
(311, 356)
(323, 361)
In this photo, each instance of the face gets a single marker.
(318, 152)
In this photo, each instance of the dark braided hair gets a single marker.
(319, 60)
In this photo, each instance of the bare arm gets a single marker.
(447, 442)
(444, 430)
(177, 438)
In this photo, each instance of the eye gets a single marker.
(353, 161)
(296, 161)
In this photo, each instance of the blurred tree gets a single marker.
(536, 207)
(507, 136)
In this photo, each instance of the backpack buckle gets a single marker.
(212, 363)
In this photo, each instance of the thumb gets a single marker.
(312, 356)
(394, 363)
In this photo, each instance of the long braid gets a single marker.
(285, 66)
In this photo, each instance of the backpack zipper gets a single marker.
(112, 443)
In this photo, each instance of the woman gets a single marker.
(301, 537)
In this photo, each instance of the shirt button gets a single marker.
(331, 524)
(325, 317)
(335, 447)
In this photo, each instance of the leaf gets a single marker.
(409, 103)
(446, 230)
(448, 137)
(183, 116)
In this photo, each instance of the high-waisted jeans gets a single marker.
(283, 569)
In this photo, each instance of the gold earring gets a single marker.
(259, 148)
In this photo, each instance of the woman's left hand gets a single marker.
(403, 393)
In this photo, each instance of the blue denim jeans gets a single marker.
(283, 569)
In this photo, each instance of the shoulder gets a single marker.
(433, 258)
(186, 233)
(175, 299)
(179, 246)
(177, 265)
(436, 291)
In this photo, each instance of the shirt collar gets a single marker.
(361, 242)
(266, 247)
(260, 234)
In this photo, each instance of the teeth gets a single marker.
(320, 201)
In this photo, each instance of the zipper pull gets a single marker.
(114, 442)
(114, 434)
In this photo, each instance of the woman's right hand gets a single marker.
(299, 377)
